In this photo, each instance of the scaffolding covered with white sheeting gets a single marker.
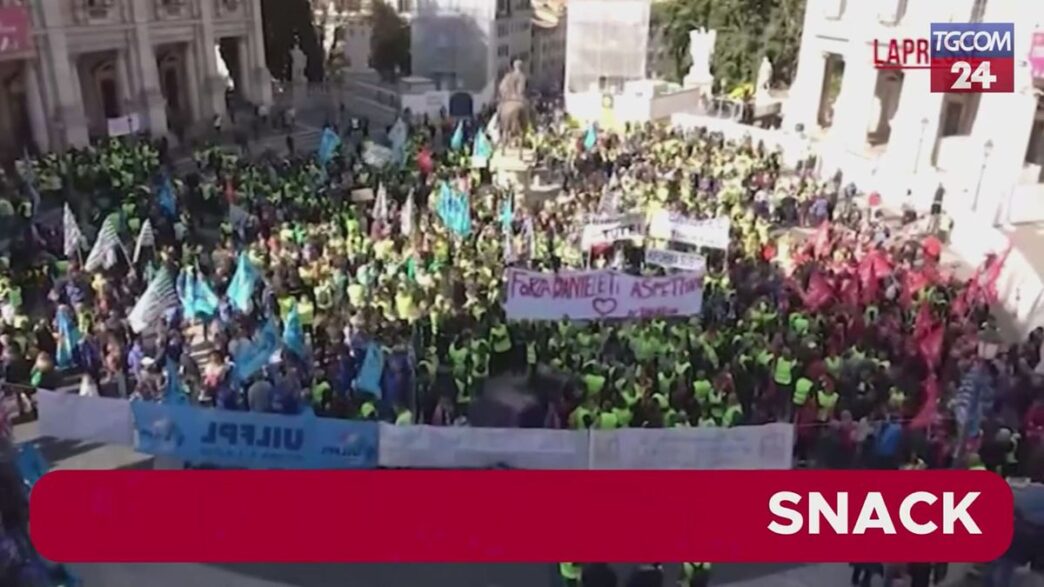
(605, 44)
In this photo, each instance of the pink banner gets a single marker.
(600, 295)
(15, 35)
(1036, 56)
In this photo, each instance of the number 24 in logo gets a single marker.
(967, 78)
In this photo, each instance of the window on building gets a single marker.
(503, 8)
(502, 30)
(109, 99)
(503, 51)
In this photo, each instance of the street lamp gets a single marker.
(920, 144)
(987, 148)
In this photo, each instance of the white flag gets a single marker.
(104, 250)
(380, 206)
(493, 131)
(160, 295)
(146, 238)
(73, 237)
(406, 216)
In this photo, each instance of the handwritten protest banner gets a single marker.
(676, 260)
(712, 233)
(608, 230)
(599, 295)
(746, 447)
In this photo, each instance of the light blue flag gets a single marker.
(186, 288)
(68, 338)
(507, 213)
(369, 379)
(457, 140)
(293, 334)
(206, 300)
(255, 355)
(173, 394)
(165, 196)
(328, 144)
(31, 464)
(455, 210)
(241, 288)
(590, 138)
(482, 148)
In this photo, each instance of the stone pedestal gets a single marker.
(512, 167)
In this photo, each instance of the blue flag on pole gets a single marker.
(186, 288)
(31, 464)
(241, 288)
(206, 300)
(369, 379)
(507, 213)
(482, 148)
(255, 355)
(590, 138)
(165, 197)
(457, 140)
(293, 334)
(68, 338)
(455, 210)
(328, 144)
(173, 394)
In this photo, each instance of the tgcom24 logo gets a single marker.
(963, 57)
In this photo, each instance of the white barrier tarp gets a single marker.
(88, 419)
(440, 447)
(745, 447)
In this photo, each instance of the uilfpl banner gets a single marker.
(745, 447)
(253, 440)
(606, 231)
(676, 260)
(712, 233)
(70, 416)
(600, 295)
(440, 447)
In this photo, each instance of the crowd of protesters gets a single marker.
(856, 333)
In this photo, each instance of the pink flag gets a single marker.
(930, 407)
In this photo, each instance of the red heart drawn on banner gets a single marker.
(604, 306)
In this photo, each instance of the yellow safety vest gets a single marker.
(784, 371)
(801, 391)
(501, 338)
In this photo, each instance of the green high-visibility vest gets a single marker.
(570, 571)
(405, 418)
(501, 339)
(801, 391)
(784, 371)
(531, 353)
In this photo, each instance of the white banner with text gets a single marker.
(439, 447)
(769, 446)
(676, 260)
(600, 295)
(712, 233)
(88, 419)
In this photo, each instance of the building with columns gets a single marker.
(890, 133)
(154, 65)
(986, 149)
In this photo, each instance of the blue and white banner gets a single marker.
(253, 440)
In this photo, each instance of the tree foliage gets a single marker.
(390, 41)
(285, 22)
(747, 31)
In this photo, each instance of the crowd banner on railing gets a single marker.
(88, 419)
(676, 260)
(598, 295)
(712, 233)
(608, 230)
(468, 448)
(253, 440)
(745, 447)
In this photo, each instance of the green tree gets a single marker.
(747, 31)
(390, 42)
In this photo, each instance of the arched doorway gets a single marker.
(99, 86)
(461, 105)
(170, 63)
(15, 133)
